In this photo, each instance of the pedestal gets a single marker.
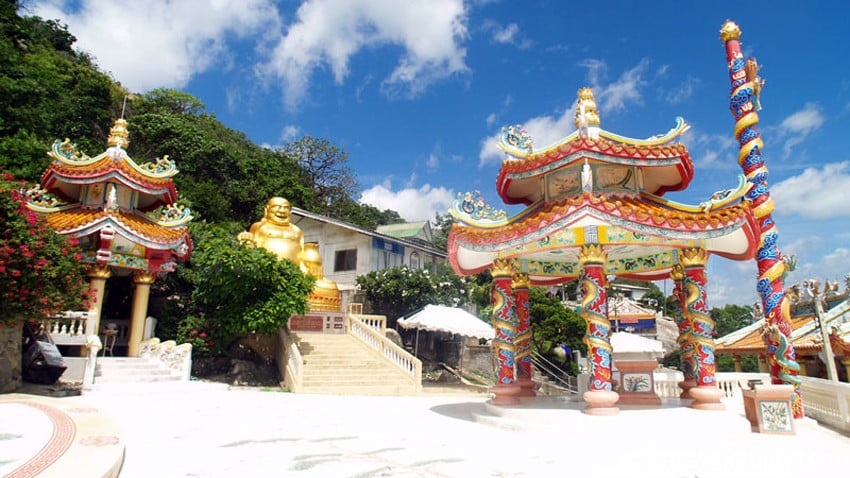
(527, 387)
(686, 386)
(768, 408)
(505, 395)
(707, 398)
(637, 385)
(601, 402)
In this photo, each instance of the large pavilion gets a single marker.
(595, 208)
(125, 216)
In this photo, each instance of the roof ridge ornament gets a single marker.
(118, 134)
(587, 116)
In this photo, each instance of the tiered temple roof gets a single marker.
(594, 186)
(124, 213)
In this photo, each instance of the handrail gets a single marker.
(178, 358)
(68, 328)
(827, 402)
(376, 322)
(546, 365)
(294, 362)
(407, 363)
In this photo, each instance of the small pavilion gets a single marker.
(594, 208)
(124, 214)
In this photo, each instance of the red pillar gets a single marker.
(505, 322)
(594, 310)
(522, 341)
(685, 339)
(706, 395)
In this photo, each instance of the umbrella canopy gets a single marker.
(438, 318)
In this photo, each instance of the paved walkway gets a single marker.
(201, 430)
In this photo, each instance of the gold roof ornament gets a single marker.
(118, 134)
(587, 116)
(730, 31)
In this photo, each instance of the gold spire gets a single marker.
(118, 134)
(730, 31)
(586, 113)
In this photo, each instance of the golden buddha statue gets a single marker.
(276, 234)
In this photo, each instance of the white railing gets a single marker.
(93, 345)
(376, 322)
(731, 383)
(67, 328)
(410, 365)
(827, 402)
(290, 361)
(178, 358)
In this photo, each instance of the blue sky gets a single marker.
(416, 91)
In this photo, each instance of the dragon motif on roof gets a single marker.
(38, 196)
(517, 137)
(171, 215)
(470, 208)
(161, 167)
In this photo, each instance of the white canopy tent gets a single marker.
(439, 318)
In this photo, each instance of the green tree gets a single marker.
(730, 318)
(325, 170)
(442, 226)
(237, 290)
(553, 324)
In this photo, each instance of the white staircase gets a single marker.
(132, 370)
(343, 364)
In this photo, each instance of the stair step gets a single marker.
(137, 378)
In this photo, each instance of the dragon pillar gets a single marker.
(522, 341)
(505, 322)
(743, 102)
(685, 339)
(594, 311)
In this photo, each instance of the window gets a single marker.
(345, 260)
(414, 260)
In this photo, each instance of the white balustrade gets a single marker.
(827, 402)
(376, 322)
(409, 364)
(731, 383)
(67, 328)
(293, 362)
(178, 358)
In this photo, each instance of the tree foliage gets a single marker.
(238, 290)
(399, 291)
(553, 324)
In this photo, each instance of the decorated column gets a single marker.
(142, 281)
(685, 339)
(594, 310)
(505, 322)
(706, 395)
(522, 341)
(744, 102)
(98, 274)
(736, 359)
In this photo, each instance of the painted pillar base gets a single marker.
(707, 398)
(601, 402)
(527, 387)
(686, 385)
(505, 395)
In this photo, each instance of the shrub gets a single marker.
(41, 271)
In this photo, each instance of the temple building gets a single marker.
(594, 208)
(125, 216)
(806, 336)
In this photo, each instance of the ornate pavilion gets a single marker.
(594, 208)
(124, 214)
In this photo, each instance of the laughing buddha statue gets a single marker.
(276, 234)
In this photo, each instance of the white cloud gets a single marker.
(816, 193)
(331, 32)
(683, 92)
(798, 126)
(290, 132)
(433, 161)
(491, 120)
(706, 149)
(508, 34)
(158, 43)
(413, 204)
(626, 89)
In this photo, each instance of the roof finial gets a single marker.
(118, 134)
(587, 117)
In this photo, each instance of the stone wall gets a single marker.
(10, 358)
